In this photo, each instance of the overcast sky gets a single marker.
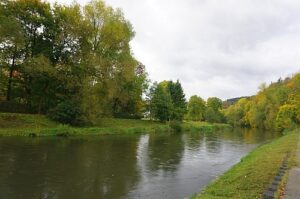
(223, 48)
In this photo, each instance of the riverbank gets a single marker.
(252, 175)
(12, 124)
(292, 189)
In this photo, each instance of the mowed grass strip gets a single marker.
(18, 120)
(13, 124)
(251, 177)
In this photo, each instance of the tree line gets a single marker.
(276, 107)
(72, 62)
(166, 102)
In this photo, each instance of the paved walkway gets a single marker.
(293, 183)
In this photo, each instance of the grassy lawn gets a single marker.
(250, 177)
(12, 124)
(16, 120)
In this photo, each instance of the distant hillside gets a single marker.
(274, 107)
(232, 101)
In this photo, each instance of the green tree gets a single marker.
(35, 21)
(286, 117)
(54, 54)
(213, 111)
(11, 47)
(133, 105)
(42, 75)
(196, 109)
(114, 68)
(178, 100)
(161, 103)
(236, 115)
(214, 103)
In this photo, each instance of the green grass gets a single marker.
(12, 124)
(15, 120)
(250, 177)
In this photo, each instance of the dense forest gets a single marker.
(71, 62)
(276, 107)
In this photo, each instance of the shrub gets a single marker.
(67, 113)
(176, 126)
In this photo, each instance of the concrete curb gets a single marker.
(272, 188)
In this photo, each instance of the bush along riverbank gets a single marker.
(251, 177)
(12, 124)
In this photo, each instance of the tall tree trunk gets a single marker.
(8, 95)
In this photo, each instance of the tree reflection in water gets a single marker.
(119, 166)
(68, 168)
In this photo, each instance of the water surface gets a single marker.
(119, 166)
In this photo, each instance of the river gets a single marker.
(119, 166)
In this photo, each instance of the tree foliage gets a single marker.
(213, 111)
(196, 109)
(275, 107)
(52, 54)
(161, 103)
(167, 101)
(178, 100)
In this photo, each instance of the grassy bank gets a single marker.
(250, 177)
(38, 125)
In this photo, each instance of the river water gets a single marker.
(119, 166)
